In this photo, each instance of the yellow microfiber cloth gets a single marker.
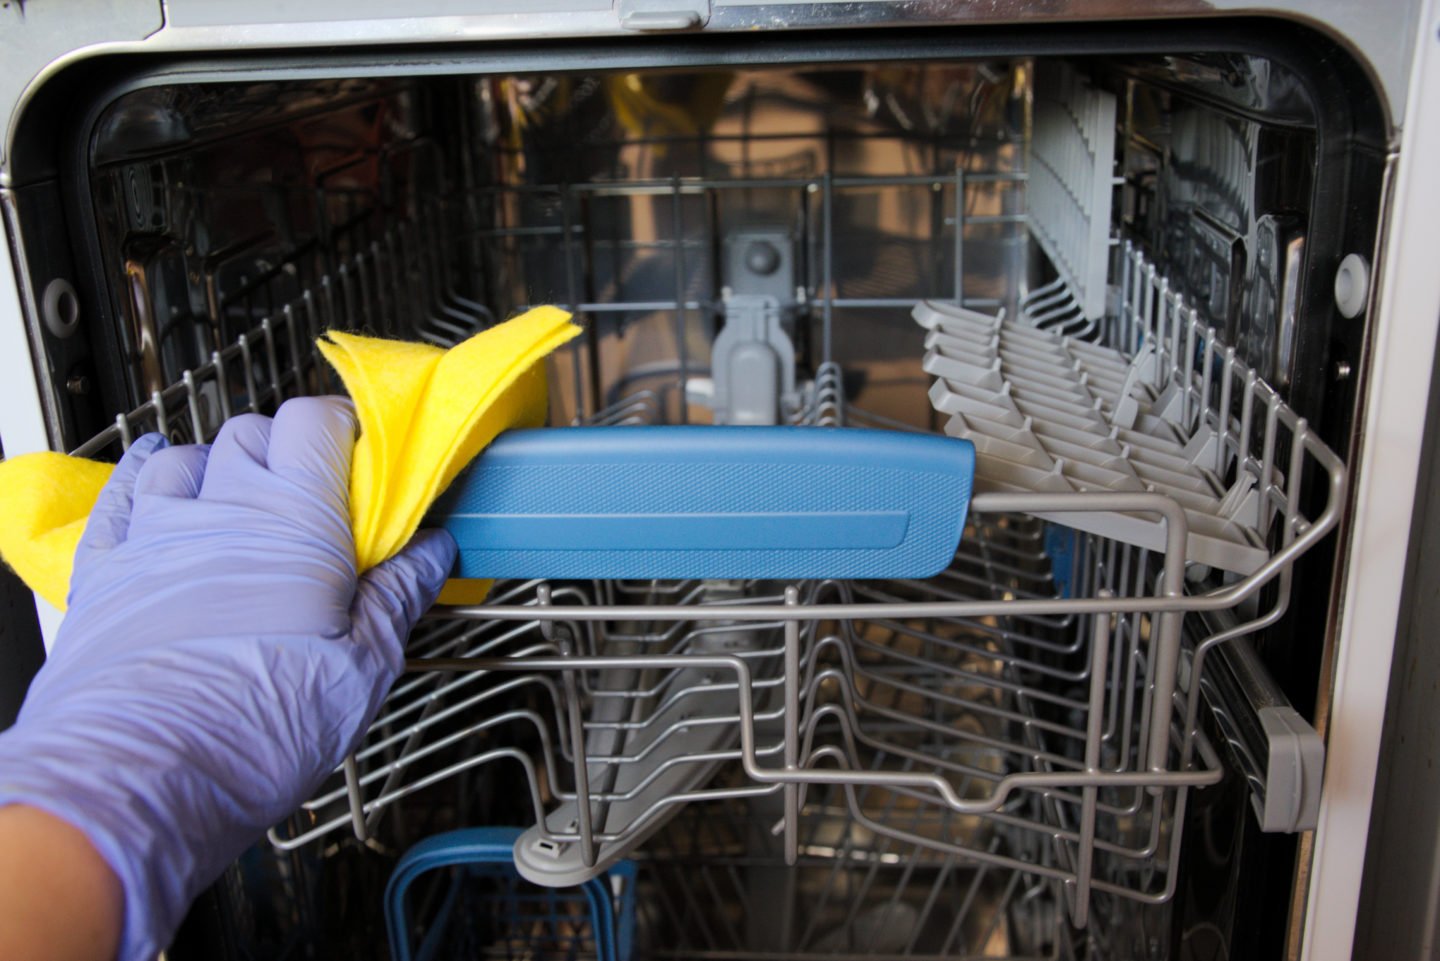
(424, 414)
(45, 499)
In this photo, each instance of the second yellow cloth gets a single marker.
(424, 414)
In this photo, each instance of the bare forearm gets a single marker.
(59, 900)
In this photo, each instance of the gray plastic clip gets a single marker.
(753, 364)
(1294, 770)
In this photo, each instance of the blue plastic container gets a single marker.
(484, 891)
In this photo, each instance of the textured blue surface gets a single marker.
(710, 502)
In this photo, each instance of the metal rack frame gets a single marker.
(1105, 815)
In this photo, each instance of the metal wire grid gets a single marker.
(949, 696)
(1156, 754)
(564, 218)
(715, 884)
(399, 283)
(1102, 783)
(436, 726)
(402, 282)
(1096, 802)
(985, 701)
(1051, 773)
(472, 641)
(567, 220)
(1240, 429)
(894, 702)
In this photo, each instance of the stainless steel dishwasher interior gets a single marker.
(1018, 778)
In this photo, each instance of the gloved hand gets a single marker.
(219, 656)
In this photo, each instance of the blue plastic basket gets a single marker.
(516, 918)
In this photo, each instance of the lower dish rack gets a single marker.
(1031, 731)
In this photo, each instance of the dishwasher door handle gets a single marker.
(710, 503)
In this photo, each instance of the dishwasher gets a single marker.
(1148, 259)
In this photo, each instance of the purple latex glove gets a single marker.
(219, 656)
